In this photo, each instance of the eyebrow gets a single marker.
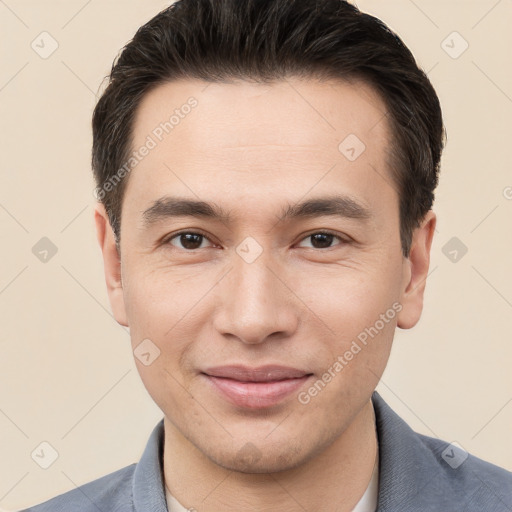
(339, 206)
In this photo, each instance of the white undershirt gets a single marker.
(367, 503)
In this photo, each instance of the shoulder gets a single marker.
(471, 481)
(111, 492)
(419, 473)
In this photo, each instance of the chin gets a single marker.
(252, 459)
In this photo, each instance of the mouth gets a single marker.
(255, 388)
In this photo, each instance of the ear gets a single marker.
(111, 262)
(415, 275)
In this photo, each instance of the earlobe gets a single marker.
(416, 272)
(111, 263)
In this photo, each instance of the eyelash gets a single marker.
(342, 240)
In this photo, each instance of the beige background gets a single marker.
(68, 375)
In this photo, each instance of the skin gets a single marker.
(253, 149)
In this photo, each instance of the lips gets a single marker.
(267, 373)
(255, 388)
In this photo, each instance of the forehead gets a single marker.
(243, 139)
(331, 108)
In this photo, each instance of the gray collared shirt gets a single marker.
(416, 474)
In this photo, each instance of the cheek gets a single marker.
(157, 307)
(164, 309)
(352, 363)
(355, 314)
(159, 300)
(347, 300)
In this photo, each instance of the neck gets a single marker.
(333, 480)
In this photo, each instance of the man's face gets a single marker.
(256, 287)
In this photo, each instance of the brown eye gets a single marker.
(322, 240)
(188, 240)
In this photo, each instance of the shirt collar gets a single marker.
(148, 477)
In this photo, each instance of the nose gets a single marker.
(255, 302)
